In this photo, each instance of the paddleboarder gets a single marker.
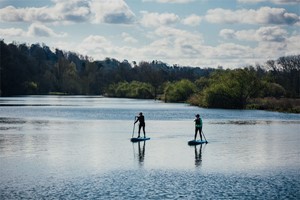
(198, 126)
(141, 120)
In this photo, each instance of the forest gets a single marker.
(36, 69)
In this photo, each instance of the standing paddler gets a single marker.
(198, 126)
(141, 120)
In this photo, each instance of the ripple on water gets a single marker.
(158, 184)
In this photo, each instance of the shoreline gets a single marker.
(283, 105)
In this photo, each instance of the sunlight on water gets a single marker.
(78, 147)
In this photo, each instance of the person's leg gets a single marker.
(196, 129)
(144, 131)
(139, 130)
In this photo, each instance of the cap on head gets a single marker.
(197, 115)
(140, 113)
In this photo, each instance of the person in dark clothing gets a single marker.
(198, 126)
(141, 120)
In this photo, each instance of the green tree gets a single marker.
(178, 91)
(133, 89)
(273, 90)
(67, 77)
(231, 88)
(285, 71)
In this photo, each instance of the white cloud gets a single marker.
(263, 34)
(176, 43)
(230, 50)
(12, 32)
(12, 14)
(62, 11)
(72, 10)
(96, 40)
(264, 15)
(192, 20)
(115, 12)
(175, 46)
(270, 50)
(271, 34)
(156, 19)
(40, 30)
(274, 50)
(129, 39)
(98, 11)
(272, 1)
(95, 45)
(272, 42)
(170, 1)
(251, 1)
(293, 46)
(168, 44)
(34, 30)
(227, 34)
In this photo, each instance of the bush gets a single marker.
(179, 91)
(273, 90)
(230, 89)
(281, 105)
(133, 89)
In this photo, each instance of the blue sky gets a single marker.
(203, 33)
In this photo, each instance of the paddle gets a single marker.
(133, 127)
(204, 137)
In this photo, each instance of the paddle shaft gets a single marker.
(204, 136)
(133, 127)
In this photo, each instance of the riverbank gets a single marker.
(287, 105)
(273, 104)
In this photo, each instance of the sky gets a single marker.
(197, 33)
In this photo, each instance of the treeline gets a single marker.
(36, 69)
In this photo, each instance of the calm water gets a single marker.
(58, 147)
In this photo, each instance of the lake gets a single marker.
(78, 147)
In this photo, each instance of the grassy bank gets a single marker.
(273, 104)
(288, 105)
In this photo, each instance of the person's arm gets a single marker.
(137, 119)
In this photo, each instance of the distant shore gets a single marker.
(286, 105)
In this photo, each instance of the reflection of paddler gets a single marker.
(198, 155)
(141, 152)
(141, 120)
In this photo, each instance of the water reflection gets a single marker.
(7, 123)
(23, 144)
(198, 155)
(141, 151)
(254, 122)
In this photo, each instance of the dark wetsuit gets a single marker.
(142, 124)
(198, 127)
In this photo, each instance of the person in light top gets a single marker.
(198, 126)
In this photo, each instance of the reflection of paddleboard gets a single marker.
(139, 139)
(195, 142)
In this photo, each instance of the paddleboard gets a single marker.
(139, 139)
(196, 142)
